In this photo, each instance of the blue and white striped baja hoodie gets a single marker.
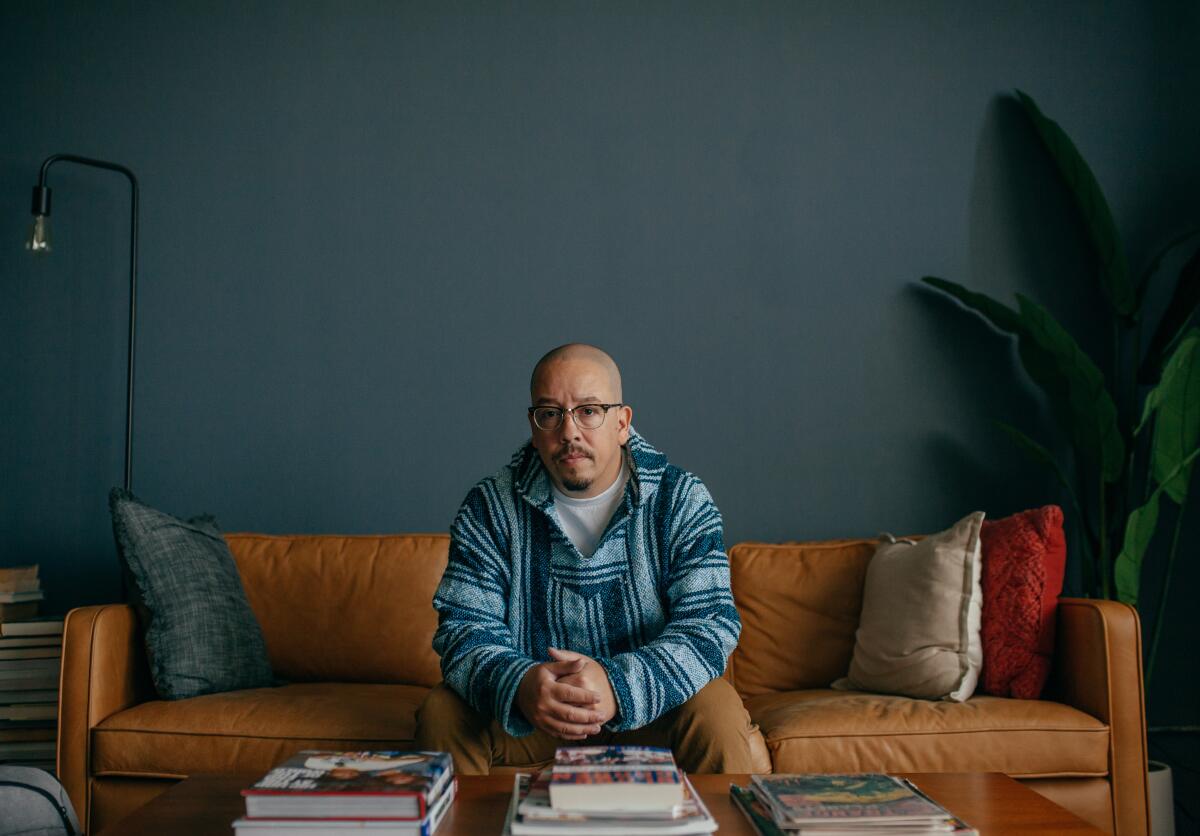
(652, 604)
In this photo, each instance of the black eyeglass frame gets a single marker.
(605, 406)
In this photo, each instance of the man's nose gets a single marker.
(569, 427)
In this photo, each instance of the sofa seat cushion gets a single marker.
(836, 731)
(253, 730)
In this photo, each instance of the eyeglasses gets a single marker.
(589, 416)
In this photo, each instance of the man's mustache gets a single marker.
(572, 450)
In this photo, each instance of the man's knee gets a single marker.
(717, 704)
(711, 731)
(442, 707)
(446, 722)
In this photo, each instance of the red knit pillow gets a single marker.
(1024, 557)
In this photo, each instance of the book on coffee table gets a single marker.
(842, 804)
(319, 784)
(352, 827)
(599, 778)
(531, 814)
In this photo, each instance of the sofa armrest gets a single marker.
(104, 671)
(1098, 669)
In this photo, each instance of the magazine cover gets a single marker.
(754, 810)
(797, 799)
(323, 784)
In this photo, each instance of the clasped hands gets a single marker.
(568, 697)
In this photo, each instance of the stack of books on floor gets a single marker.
(861, 804)
(30, 656)
(602, 790)
(322, 793)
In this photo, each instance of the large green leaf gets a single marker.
(1184, 302)
(1071, 379)
(1001, 316)
(1093, 208)
(1177, 422)
(1139, 531)
(1167, 383)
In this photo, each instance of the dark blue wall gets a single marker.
(363, 222)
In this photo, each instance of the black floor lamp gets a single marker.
(39, 242)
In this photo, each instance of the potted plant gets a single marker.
(1134, 431)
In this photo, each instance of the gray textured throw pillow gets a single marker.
(201, 635)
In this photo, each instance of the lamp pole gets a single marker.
(39, 243)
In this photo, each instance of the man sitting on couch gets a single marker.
(587, 595)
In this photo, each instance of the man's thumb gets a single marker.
(564, 662)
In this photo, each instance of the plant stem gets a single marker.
(1162, 599)
(1116, 363)
(1130, 486)
(1103, 528)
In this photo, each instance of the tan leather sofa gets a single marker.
(348, 622)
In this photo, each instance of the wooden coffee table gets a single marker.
(993, 803)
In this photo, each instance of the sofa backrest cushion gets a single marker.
(345, 608)
(800, 605)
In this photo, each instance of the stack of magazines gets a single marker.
(603, 790)
(842, 805)
(321, 793)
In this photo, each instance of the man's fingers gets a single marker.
(562, 655)
(566, 668)
(573, 694)
(573, 714)
(568, 731)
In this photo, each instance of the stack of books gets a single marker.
(20, 593)
(859, 804)
(601, 790)
(30, 657)
(322, 793)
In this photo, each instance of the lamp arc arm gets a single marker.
(41, 192)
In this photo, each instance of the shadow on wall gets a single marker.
(1023, 238)
(1024, 235)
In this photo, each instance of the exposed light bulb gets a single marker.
(39, 236)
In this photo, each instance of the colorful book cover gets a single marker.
(614, 765)
(371, 784)
(798, 799)
(596, 778)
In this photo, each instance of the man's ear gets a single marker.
(624, 420)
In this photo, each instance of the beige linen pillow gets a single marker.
(919, 633)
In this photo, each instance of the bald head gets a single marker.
(580, 352)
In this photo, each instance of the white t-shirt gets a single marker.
(584, 520)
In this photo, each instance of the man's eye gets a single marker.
(551, 414)
(588, 411)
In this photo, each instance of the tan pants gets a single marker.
(708, 733)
